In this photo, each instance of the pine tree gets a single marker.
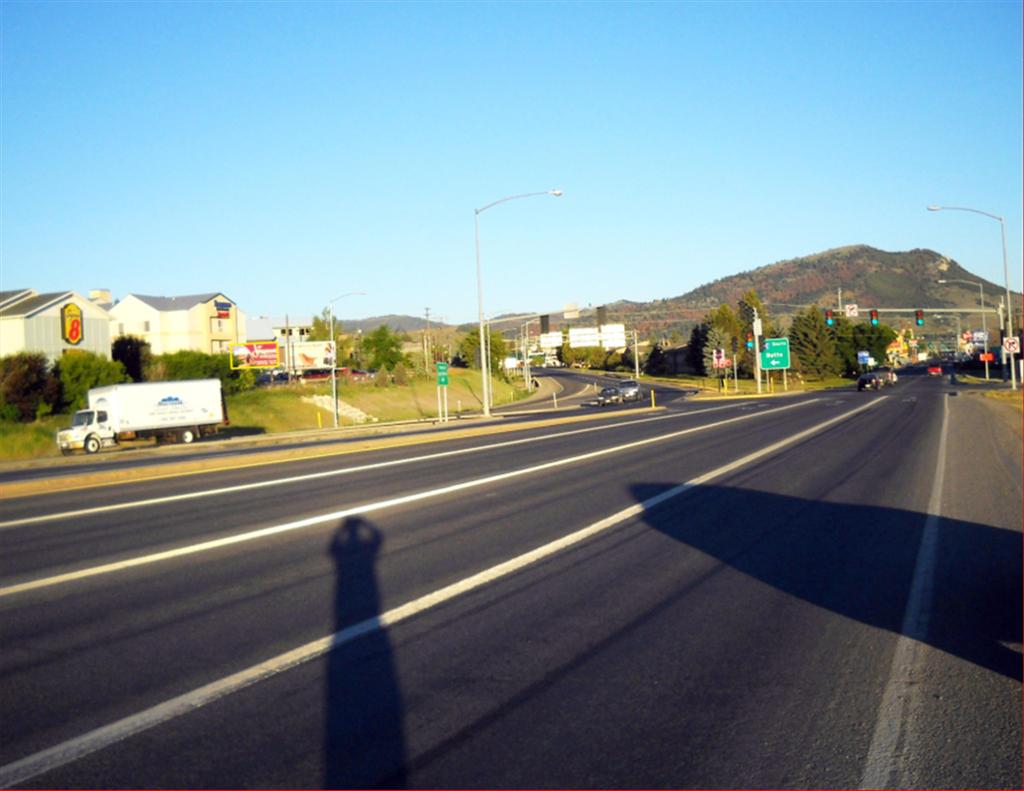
(813, 345)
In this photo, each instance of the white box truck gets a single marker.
(169, 411)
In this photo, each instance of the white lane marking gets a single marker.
(73, 749)
(216, 543)
(886, 763)
(100, 509)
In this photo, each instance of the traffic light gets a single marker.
(750, 340)
(919, 317)
(874, 318)
(830, 318)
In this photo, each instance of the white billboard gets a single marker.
(308, 355)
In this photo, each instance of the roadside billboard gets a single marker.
(261, 354)
(311, 355)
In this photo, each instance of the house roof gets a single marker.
(33, 303)
(178, 303)
(9, 297)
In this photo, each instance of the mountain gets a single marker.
(398, 323)
(868, 277)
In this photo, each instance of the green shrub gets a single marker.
(27, 385)
(79, 372)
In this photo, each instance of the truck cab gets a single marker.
(90, 430)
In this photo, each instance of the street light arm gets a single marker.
(556, 193)
(964, 208)
(347, 294)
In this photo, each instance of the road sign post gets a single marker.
(442, 392)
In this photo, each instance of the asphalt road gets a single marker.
(818, 591)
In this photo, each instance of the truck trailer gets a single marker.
(169, 411)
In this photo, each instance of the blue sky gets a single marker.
(286, 153)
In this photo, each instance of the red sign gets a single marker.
(986, 357)
(255, 355)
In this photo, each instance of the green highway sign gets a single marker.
(775, 356)
(442, 374)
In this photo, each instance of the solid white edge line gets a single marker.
(885, 765)
(73, 749)
(100, 509)
(217, 543)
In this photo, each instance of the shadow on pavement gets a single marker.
(363, 738)
(859, 562)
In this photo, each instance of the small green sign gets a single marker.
(442, 374)
(775, 356)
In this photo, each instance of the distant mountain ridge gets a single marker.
(868, 277)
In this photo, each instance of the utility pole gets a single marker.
(426, 344)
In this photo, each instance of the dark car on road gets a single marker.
(869, 382)
(609, 395)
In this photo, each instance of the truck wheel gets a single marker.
(187, 435)
(92, 444)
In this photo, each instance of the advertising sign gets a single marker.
(262, 354)
(863, 357)
(312, 355)
(223, 309)
(71, 324)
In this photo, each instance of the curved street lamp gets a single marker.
(485, 363)
(1006, 278)
(334, 352)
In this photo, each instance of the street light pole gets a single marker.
(485, 363)
(1006, 279)
(334, 354)
(984, 323)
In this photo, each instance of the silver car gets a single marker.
(630, 390)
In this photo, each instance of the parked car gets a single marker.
(630, 390)
(609, 395)
(869, 381)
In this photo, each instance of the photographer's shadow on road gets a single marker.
(364, 744)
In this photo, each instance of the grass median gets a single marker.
(294, 407)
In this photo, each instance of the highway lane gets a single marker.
(481, 687)
(328, 483)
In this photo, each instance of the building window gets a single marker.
(145, 326)
(120, 328)
(220, 347)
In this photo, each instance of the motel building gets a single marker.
(52, 324)
(208, 323)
